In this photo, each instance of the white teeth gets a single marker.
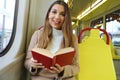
(57, 22)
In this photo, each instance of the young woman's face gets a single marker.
(57, 16)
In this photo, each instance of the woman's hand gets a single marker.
(57, 69)
(35, 64)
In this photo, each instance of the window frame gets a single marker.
(8, 46)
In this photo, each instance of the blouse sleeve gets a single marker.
(33, 43)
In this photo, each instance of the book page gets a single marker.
(49, 54)
(64, 50)
(43, 52)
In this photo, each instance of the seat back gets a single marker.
(95, 57)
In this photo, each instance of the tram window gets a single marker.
(7, 24)
(113, 26)
(97, 23)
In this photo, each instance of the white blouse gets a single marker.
(56, 41)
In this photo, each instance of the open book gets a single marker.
(62, 57)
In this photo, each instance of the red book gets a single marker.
(62, 57)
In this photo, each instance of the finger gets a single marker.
(33, 60)
(55, 69)
(51, 71)
(59, 67)
(38, 66)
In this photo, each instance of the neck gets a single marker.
(57, 32)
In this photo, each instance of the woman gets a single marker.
(54, 35)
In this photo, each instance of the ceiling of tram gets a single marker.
(78, 6)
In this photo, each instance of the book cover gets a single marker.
(62, 57)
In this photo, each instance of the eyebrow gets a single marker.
(57, 10)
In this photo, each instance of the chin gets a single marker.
(57, 28)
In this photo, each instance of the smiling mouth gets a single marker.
(56, 22)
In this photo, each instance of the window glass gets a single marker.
(97, 23)
(7, 10)
(113, 26)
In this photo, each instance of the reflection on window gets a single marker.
(113, 26)
(98, 24)
(7, 9)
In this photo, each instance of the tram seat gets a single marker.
(95, 58)
(114, 54)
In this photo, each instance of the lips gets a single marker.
(56, 22)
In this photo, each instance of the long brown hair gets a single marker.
(66, 29)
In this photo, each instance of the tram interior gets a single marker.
(104, 14)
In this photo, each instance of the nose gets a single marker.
(57, 16)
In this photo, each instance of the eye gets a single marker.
(54, 12)
(63, 14)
